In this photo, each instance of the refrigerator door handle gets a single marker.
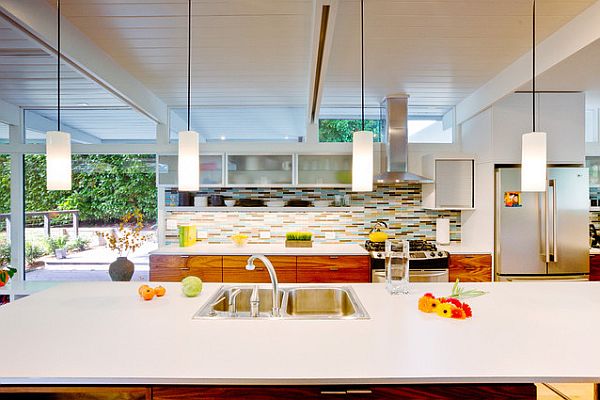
(546, 226)
(554, 223)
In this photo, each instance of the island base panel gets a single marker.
(373, 392)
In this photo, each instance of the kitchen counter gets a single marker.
(102, 333)
(594, 250)
(202, 249)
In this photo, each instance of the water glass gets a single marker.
(396, 266)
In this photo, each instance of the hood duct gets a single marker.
(394, 111)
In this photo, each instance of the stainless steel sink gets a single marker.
(298, 302)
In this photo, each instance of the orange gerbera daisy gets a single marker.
(428, 304)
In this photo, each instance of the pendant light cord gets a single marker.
(189, 66)
(58, 66)
(533, 65)
(362, 64)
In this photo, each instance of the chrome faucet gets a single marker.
(232, 302)
(255, 302)
(272, 275)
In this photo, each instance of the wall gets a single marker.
(399, 206)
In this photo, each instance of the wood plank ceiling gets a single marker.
(257, 52)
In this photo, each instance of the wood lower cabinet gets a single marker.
(471, 267)
(234, 269)
(524, 391)
(334, 269)
(175, 268)
(594, 267)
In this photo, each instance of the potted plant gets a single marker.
(58, 246)
(298, 239)
(126, 240)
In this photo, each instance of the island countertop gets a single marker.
(203, 249)
(103, 333)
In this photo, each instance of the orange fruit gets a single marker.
(141, 288)
(160, 291)
(148, 293)
(4, 277)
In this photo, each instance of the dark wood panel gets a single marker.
(406, 392)
(334, 269)
(594, 267)
(234, 269)
(75, 393)
(175, 268)
(470, 267)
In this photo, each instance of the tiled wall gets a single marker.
(399, 206)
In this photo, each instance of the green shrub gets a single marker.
(4, 253)
(78, 244)
(33, 252)
(55, 243)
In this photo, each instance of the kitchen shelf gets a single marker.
(449, 208)
(264, 209)
(594, 208)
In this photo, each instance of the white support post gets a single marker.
(17, 204)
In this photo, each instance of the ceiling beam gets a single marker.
(324, 15)
(578, 33)
(38, 19)
(39, 123)
(9, 113)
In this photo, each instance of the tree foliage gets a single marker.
(341, 130)
(105, 187)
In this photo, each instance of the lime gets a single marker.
(191, 286)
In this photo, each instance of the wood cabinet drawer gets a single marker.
(334, 269)
(595, 267)
(175, 268)
(234, 269)
(470, 267)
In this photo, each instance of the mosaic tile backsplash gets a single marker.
(399, 206)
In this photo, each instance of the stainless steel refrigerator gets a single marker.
(542, 235)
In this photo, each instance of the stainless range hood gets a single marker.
(395, 120)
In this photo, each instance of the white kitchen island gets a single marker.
(104, 334)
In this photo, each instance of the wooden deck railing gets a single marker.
(47, 215)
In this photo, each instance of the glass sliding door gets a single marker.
(68, 233)
(5, 258)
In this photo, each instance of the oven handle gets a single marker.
(427, 273)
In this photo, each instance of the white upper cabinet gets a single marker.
(454, 183)
(560, 115)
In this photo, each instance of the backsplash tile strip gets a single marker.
(398, 206)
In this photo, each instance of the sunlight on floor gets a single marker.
(572, 391)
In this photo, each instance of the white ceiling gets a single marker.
(257, 52)
(28, 76)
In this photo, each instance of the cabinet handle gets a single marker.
(334, 257)
(184, 268)
(259, 269)
(333, 268)
(333, 392)
(185, 256)
(359, 391)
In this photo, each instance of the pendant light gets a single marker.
(188, 168)
(58, 144)
(533, 144)
(362, 141)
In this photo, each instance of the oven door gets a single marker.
(416, 275)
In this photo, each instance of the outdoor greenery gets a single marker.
(32, 252)
(4, 184)
(105, 187)
(4, 253)
(78, 244)
(55, 243)
(341, 130)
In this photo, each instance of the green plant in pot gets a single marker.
(126, 240)
(298, 239)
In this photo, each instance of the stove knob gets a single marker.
(440, 254)
(379, 255)
(432, 254)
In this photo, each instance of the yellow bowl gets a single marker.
(240, 240)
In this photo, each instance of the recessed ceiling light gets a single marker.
(286, 138)
(82, 104)
(222, 137)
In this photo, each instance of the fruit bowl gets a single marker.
(240, 240)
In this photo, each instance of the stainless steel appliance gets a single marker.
(542, 235)
(426, 262)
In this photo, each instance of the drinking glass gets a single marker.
(396, 266)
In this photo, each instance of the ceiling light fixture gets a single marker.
(58, 144)
(188, 168)
(362, 141)
(533, 144)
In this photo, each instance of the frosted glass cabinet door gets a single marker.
(211, 170)
(260, 169)
(325, 169)
(454, 183)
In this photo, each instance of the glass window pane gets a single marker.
(91, 125)
(4, 210)
(3, 133)
(62, 234)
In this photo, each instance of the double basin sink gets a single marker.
(298, 302)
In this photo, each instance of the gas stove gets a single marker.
(419, 250)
